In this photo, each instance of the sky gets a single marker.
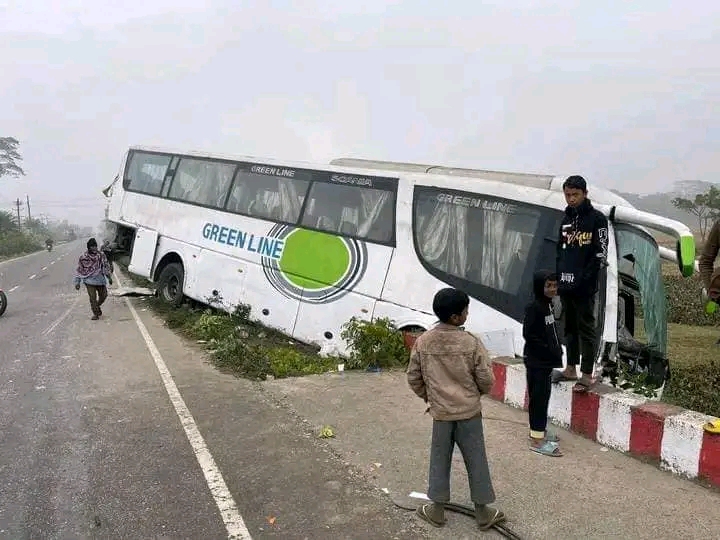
(625, 93)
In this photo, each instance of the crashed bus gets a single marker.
(309, 246)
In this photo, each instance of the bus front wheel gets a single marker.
(170, 284)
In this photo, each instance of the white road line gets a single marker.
(44, 268)
(60, 319)
(234, 523)
(33, 276)
(14, 288)
(52, 262)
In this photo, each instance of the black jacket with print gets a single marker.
(581, 250)
(542, 346)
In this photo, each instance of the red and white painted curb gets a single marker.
(667, 435)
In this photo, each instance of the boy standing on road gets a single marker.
(449, 370)
(581, 253)
(94, 271)
(542, 354)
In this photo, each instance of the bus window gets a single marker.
(267, 196)
(359, 212)
(202, 182)
(145, 172)
(484, 245)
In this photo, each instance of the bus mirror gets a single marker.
(685, 250)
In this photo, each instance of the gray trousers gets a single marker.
(468, 434)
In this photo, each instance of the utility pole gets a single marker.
(17, 204)
(28, 207)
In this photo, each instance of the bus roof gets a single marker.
(537, 181)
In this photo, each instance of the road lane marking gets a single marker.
(224, 500)
(60, 319)
(44, 268)
(33, 276)
(52, 262)
(14, 288)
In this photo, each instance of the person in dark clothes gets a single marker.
(581, 253)
(94, 271)
(450, 370)
(542, 354)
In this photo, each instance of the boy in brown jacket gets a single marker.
(449, 370)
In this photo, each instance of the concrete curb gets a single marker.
(671, 437)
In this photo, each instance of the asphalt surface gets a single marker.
(93, 444)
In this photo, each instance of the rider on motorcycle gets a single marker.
(49, 242)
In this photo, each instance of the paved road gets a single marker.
(113, 429)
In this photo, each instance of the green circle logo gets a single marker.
(314, 266)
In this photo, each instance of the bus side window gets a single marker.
(268, 197)
(202, 182)
(356, 211)
(146, 173)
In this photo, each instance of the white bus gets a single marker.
(310, 246)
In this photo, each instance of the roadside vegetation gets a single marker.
(238, 344)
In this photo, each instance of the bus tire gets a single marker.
(170, 284)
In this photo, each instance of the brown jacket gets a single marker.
(709, 254)
(450, 369)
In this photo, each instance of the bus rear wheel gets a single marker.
(170, 284)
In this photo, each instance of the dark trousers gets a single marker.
(468, 434)
(539, 385)
(97, 294)
(580, 332)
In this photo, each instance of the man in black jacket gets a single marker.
(581, 253)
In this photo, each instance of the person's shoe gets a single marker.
(99, 312)
(94, 317)
(433, 513)
(487, 516)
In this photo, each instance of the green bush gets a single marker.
(211, 326)
(377, 343)
(18, 243)
(684, 300)
(695, 387)
(287, 362)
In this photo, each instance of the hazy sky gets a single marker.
(626, 93)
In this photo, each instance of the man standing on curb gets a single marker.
(711, 283)
(581, 253)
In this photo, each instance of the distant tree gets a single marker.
(9, 157)
(705, 207)
(7, 222)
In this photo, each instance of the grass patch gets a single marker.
(236, 343)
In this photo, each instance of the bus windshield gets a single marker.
(642, 291)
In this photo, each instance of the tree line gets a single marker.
(705, 207)
(25, 236)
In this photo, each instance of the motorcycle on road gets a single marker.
(3, 300)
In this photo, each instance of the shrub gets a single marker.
(241, 358)
(695, 387)
(18, 243)
(377, 343)
(287, 362)
(685, 305)
(210, 326)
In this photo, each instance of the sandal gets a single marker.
(559, 376)
(496, 517)
(713, 427)
(423, 514)
(548, 448)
